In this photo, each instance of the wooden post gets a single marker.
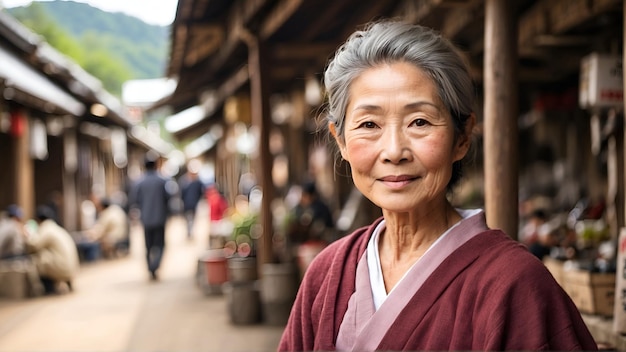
(619, 308)
(71, 208)
(501, 110)
(24, 169)
(261, 119)
(624, 123)
(296, 140)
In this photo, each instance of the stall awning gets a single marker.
(185, 119)
(24, 78)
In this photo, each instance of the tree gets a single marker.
(88, 52)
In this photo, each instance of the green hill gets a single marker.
(131, 47)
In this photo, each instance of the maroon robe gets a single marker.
(490, 294)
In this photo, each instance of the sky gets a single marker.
(157, 12)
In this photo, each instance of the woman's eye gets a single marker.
(368, 124)
(420, 122)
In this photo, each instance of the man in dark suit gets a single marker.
(152, 197)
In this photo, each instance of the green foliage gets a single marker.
(113, 47)
(143, 47)
(107, 69)
(37, 20)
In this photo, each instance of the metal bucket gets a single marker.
(279, 285)
(244, 305)
(215, 271)
(242, 269)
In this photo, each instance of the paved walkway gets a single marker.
(115, 307)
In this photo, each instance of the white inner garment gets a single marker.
(379, 293)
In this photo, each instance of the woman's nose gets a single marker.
(395, 146)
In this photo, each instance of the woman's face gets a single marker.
(399, 138)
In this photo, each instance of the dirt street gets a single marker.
(115, 307)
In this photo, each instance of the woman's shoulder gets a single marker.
(509, 260)
(495, 245)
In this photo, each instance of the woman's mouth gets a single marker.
(397, 181)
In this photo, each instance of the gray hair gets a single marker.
(392, 41)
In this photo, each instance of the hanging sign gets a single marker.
(601, 81)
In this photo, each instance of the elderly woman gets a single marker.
(425, 276)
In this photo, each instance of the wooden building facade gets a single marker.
(63, 138)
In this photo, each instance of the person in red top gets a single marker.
(217, 203)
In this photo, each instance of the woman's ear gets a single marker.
(465, 140)
(333, 131)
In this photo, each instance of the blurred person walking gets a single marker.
(192, 190)
(151, 197)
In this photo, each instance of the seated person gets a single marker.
(311, 219)
(53, 251)
(111, 228)
(13, 256)
(12, 234)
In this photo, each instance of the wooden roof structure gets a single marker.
(208, 40)
(514, 48)
(39, 68)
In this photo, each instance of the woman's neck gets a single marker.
(409, 235)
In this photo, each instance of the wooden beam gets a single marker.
(194, 50)
(566, 14)
(366, 14)
(261, 120)
(329, 13)
(620, 326)
(600, 6)
(233, 83)
(369, 13)
(563, 40)
(302, 51)
(227, 89)
(534, 22)
(453, 4)
(284, 72)
(278, 17)
(286, 77)
(457, 20)
(500, 117)
(236, 30)
(178, 49)
(545, 75)
(415, 11)
(204, 40)
(429, 13)
(185, 9)
(200, 7)
(23, 167)
(251, 8)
